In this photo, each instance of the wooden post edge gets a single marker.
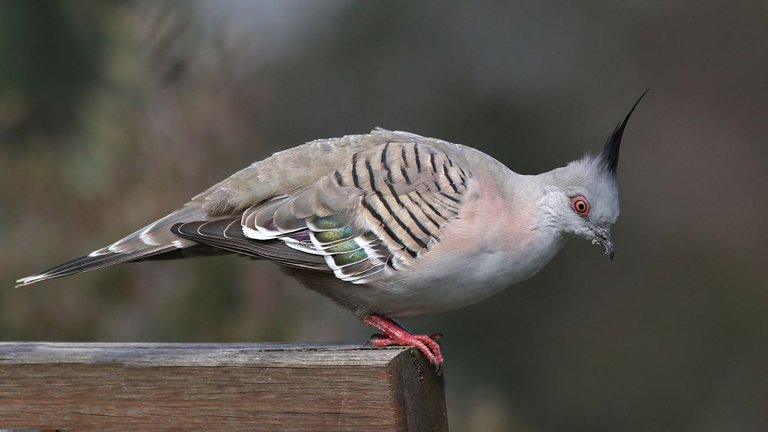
(265, 386)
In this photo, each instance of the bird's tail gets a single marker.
(87, 263)
(154, 241)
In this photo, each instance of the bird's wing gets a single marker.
(227, 235)
(282, 173)
(360, 204)
(377, 212)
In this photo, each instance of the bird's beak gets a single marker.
(603, 238)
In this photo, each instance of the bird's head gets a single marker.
(582, 198)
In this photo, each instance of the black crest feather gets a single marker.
(610, 154)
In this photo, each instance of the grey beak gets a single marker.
(603, 238)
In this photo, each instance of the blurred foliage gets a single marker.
(114, 113)
(50, 51)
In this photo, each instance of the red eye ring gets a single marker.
(580, 205)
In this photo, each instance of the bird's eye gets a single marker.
(581, 205)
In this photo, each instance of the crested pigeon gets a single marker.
(387, 224)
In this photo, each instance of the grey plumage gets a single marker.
(381, 207)
(387, 223)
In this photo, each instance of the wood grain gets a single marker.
(265, 387)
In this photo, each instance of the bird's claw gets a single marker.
(395, 335)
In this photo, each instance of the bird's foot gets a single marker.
(394, 334)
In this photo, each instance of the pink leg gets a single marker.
(396, 335)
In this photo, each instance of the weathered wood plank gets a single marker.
(266, 387)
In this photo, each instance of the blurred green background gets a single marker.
(114, 113)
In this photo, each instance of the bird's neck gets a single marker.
(531, 236)
(540, 196)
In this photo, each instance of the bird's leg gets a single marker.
(395, 334)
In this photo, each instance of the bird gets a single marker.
(387, 224)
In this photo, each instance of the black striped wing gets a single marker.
(411, 191)
(376, 214)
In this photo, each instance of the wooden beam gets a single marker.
(265, 387)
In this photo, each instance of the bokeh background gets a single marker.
(114, 113)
